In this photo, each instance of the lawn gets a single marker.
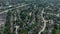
(57, 32)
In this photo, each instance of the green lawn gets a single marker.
(56, 29)
(57, 32)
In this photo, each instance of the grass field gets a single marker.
(57, 32)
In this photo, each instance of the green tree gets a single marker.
(7, 24)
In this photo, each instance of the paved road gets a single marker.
(44, 22)
(13, 8)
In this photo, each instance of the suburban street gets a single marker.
(13, 8)
(43, 21)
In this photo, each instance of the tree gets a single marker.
(7, 24)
